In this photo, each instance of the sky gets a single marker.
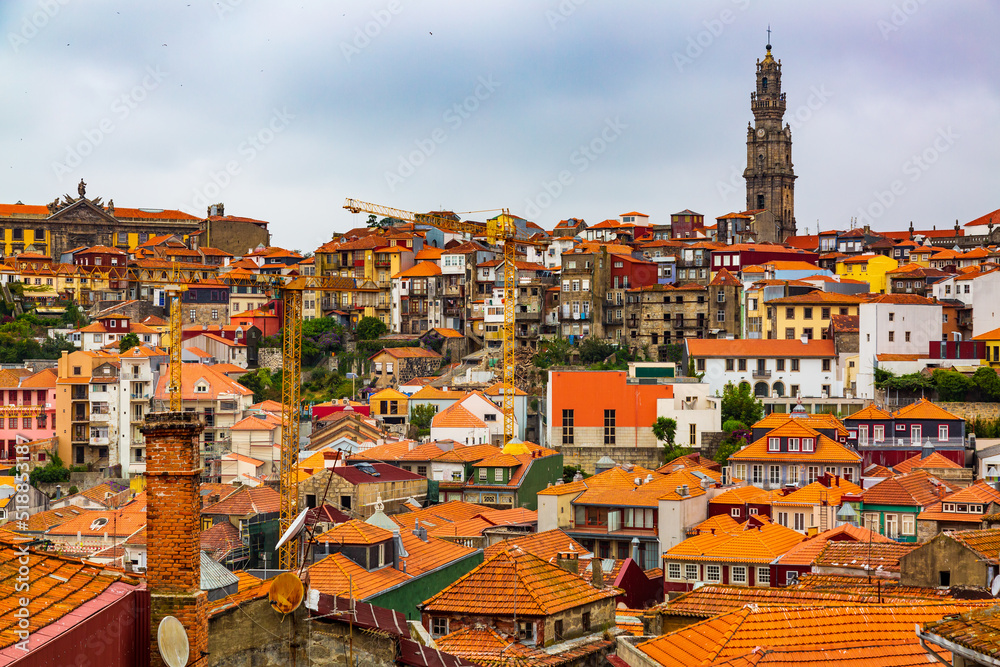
(549, 108)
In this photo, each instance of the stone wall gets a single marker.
(973, 410)
(269, 358)
(587, 457)
(236, 237)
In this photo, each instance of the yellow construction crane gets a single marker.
(500, 230)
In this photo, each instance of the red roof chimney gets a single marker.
(173, 518)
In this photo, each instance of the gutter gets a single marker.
(974, 656)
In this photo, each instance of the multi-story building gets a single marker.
(417, 295)
(694, 262)
(658, 316)
(27, 408)
(627, 272)
(798, 315)
(773, 368)
(87, 395)
(206, 302)
(585, 273)
(888, 439)
(139, 371)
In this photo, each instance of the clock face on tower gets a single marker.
(760, 133)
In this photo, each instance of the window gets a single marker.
(526, 630)
(482, 474)
(692, 433)
(800, 521)
(585, 621)
(567, 428)
(737, 574)
(215, 313)
(807, 313)
(906, 336)
(673, 570)
(808, 333)
(793, 475)
(793, 444)
(422, 471)
(713, 573)
(735, 511)
(790, 333)
(825, 313)
(774, 445)
(812, 472)
(730, 364)
(720, 316)
(783, 519)
(763, 576)
(892, 336)
(774, 475)
(558, 629)
(807, 444)
(758, 474)
(742, 364)
(701, 365)
(780, 364)
(439, 626)
(498, 474)
(943, 433)
(609, 427)
(892, 317)
(790, 313)
(878, 432)
(826, 365)
(691, 572)
(909, 525)
(795, 365)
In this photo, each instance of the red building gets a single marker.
(735, 257)
(100, 255)
(627, 272)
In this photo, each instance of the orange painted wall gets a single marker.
(590, 393)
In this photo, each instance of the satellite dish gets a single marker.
(294, 528)
(172, 639)
(286, 593)
(995, 587)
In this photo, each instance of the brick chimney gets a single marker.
(173, 516)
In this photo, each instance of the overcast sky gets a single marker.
(553, 109)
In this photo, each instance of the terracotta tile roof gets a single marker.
(741, 495)
(622, 491)
(933, 513)
(985, 542)
(114, 523)
(806, 552)
(871, 412)
(846, 583)
(913, 490)
(980, 492)
(408, 353)
(714, 599)
(933, 460)
(467, 453)
(769, 348)
(192, 375)
(440, 514)
(815, 421)
(514, 579)
(875, 470)
(220, 540)
(750, 545)
(816, 297)
(246, 501)
(831, 630)
(865, 556)
(818, 493)
(423, 557)
(546, 545)
(924, 409)
(339, 575)
(825, 449)
(56, 588)
(42, 521)
(883, 655)
(421, 270)
(355, 532)
(978, 630)
(456, 416)
(720, 523)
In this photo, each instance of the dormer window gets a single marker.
(808, 444)
(201, 388)
(793, 444)
(774, 444)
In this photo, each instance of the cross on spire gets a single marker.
(768, 36)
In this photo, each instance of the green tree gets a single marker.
(73, 316)
(552, 352)
(570, 471)
(665, 428)
(264, 384)
(420, 419)
(52, 472)
(674, 352)
(129, 341)
(593, 350)
(727, 448)
(740, 404)
(951, 385)
(987, 383)
(370, 328)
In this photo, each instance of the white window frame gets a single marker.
(774, 474)
(908, 525)
(735, 511)
(674, 571)
(800, 521)
(793, 474)
(793, 444)
(763, 576)
(738, 574)
(878, 433)
(690, 571)
(713, 573)
(774, 444)
(942, 433)
(808, 444)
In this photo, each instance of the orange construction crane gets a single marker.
(501, 231)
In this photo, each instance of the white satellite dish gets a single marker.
(172, 639)
(294, 528)
(995, 587)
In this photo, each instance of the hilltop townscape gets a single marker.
(653, 439)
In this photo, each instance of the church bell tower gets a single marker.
(769, 174)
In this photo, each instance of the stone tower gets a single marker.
(769, 175)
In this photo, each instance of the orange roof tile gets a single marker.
(421, 270)
(985, 542)
(865, 556)
(515, 579)
(871, 412)
(339, 575)
(825, 449)
(750, 545)
(456, 416)
(818, 493)
(546, 545)
(355, 532)
(818, 420)
(246, 501)
(740, 347)
(805, 552)
(408, 352)
(912, 490)
(932, 460)
(720, 523)
(924, 409)
(249, 588)
(742, 495)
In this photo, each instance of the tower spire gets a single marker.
(769, 37)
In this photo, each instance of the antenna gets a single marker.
(172, 640)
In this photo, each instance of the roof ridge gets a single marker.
(728, 635)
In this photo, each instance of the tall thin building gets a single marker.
(769, 174)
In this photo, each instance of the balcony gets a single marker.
(102, 417)
(100, 440)
(760, 374)
(602, 529)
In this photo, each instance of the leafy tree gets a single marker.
(674, 352)
(882, 376)
(552, 352)
(665, 428)
(52, 472)
(420, 419)
(987, 383)
(73, 489)
(739, 403)
(727, 448)
(264, 384)
(128, 341)
(370, 328)
(73, 316)
(594, 350)
(951, 385)
(53, 347)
